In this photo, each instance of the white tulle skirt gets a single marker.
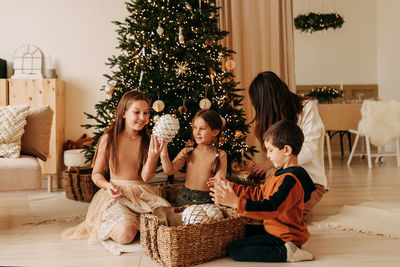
(104, 212)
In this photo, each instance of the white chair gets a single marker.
(379, 124)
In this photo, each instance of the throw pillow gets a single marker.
(35, 140)
(12, 122)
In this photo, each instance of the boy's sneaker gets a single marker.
(296, 254)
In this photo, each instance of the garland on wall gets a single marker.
(312, 22)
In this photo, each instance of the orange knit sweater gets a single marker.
(279, 202)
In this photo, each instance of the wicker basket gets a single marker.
(79, 185)
(191, 244)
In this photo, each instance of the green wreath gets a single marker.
(312, 22)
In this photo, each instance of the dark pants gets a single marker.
(258, 246)
(191, 197)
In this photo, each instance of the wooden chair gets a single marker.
(339, 118)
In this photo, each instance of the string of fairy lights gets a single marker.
(191, 70)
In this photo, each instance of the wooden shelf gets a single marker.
(39, 92)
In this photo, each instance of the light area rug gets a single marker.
(370, 217)
(56, 207)
(48, 208)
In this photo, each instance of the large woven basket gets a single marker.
(79, 185)
(191, 244)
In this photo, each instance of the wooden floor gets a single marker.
(41, 245)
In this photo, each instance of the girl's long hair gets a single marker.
(272, 101)
(118, 125)
(213, 119)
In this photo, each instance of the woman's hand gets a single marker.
(156, 146)
(260, 168)
(222, 193)
(113, 191)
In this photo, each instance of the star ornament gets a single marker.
(182, 68)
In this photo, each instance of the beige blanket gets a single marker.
(375, 218)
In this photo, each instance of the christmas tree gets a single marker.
(171, 51)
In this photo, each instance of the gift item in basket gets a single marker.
(169, 191)
(201, 213)
(191, 244)
(79, 185)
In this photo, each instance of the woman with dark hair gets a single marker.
(273, 102)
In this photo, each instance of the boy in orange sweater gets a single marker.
(279, 202)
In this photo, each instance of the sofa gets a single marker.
(24, 143)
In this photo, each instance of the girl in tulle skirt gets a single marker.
(131, 156)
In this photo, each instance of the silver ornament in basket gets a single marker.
(166, 127)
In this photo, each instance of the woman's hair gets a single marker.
(285, 132)
(118, 125)
(272, 102)
(213, 119)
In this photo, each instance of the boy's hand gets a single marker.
(222, 193)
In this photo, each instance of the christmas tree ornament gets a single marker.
(189, 143)
(205, 103)
(158, 105)
(166, 127)
(143, 52)
(181, 39)
(208, 42)
(230, 64)
(182, 68)
(182, 109)
(201, 213)
(160, 30)
(109, 89)
(189, 7)
(140, 78)
(238, 134)
(156, 117)
(223, 121)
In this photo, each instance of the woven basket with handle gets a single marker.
(191, 244)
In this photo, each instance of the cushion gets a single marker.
(75, 158)
(12, 122)
(35, 140)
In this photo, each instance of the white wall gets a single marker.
(78, 34)
(388, 49)
(348, 54)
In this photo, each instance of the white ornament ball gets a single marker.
(205, 103)
(166, 127)
(156, 118)
(109, 89)
(160, 31)
(201, 213)
(158, 105)
(230, 64)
